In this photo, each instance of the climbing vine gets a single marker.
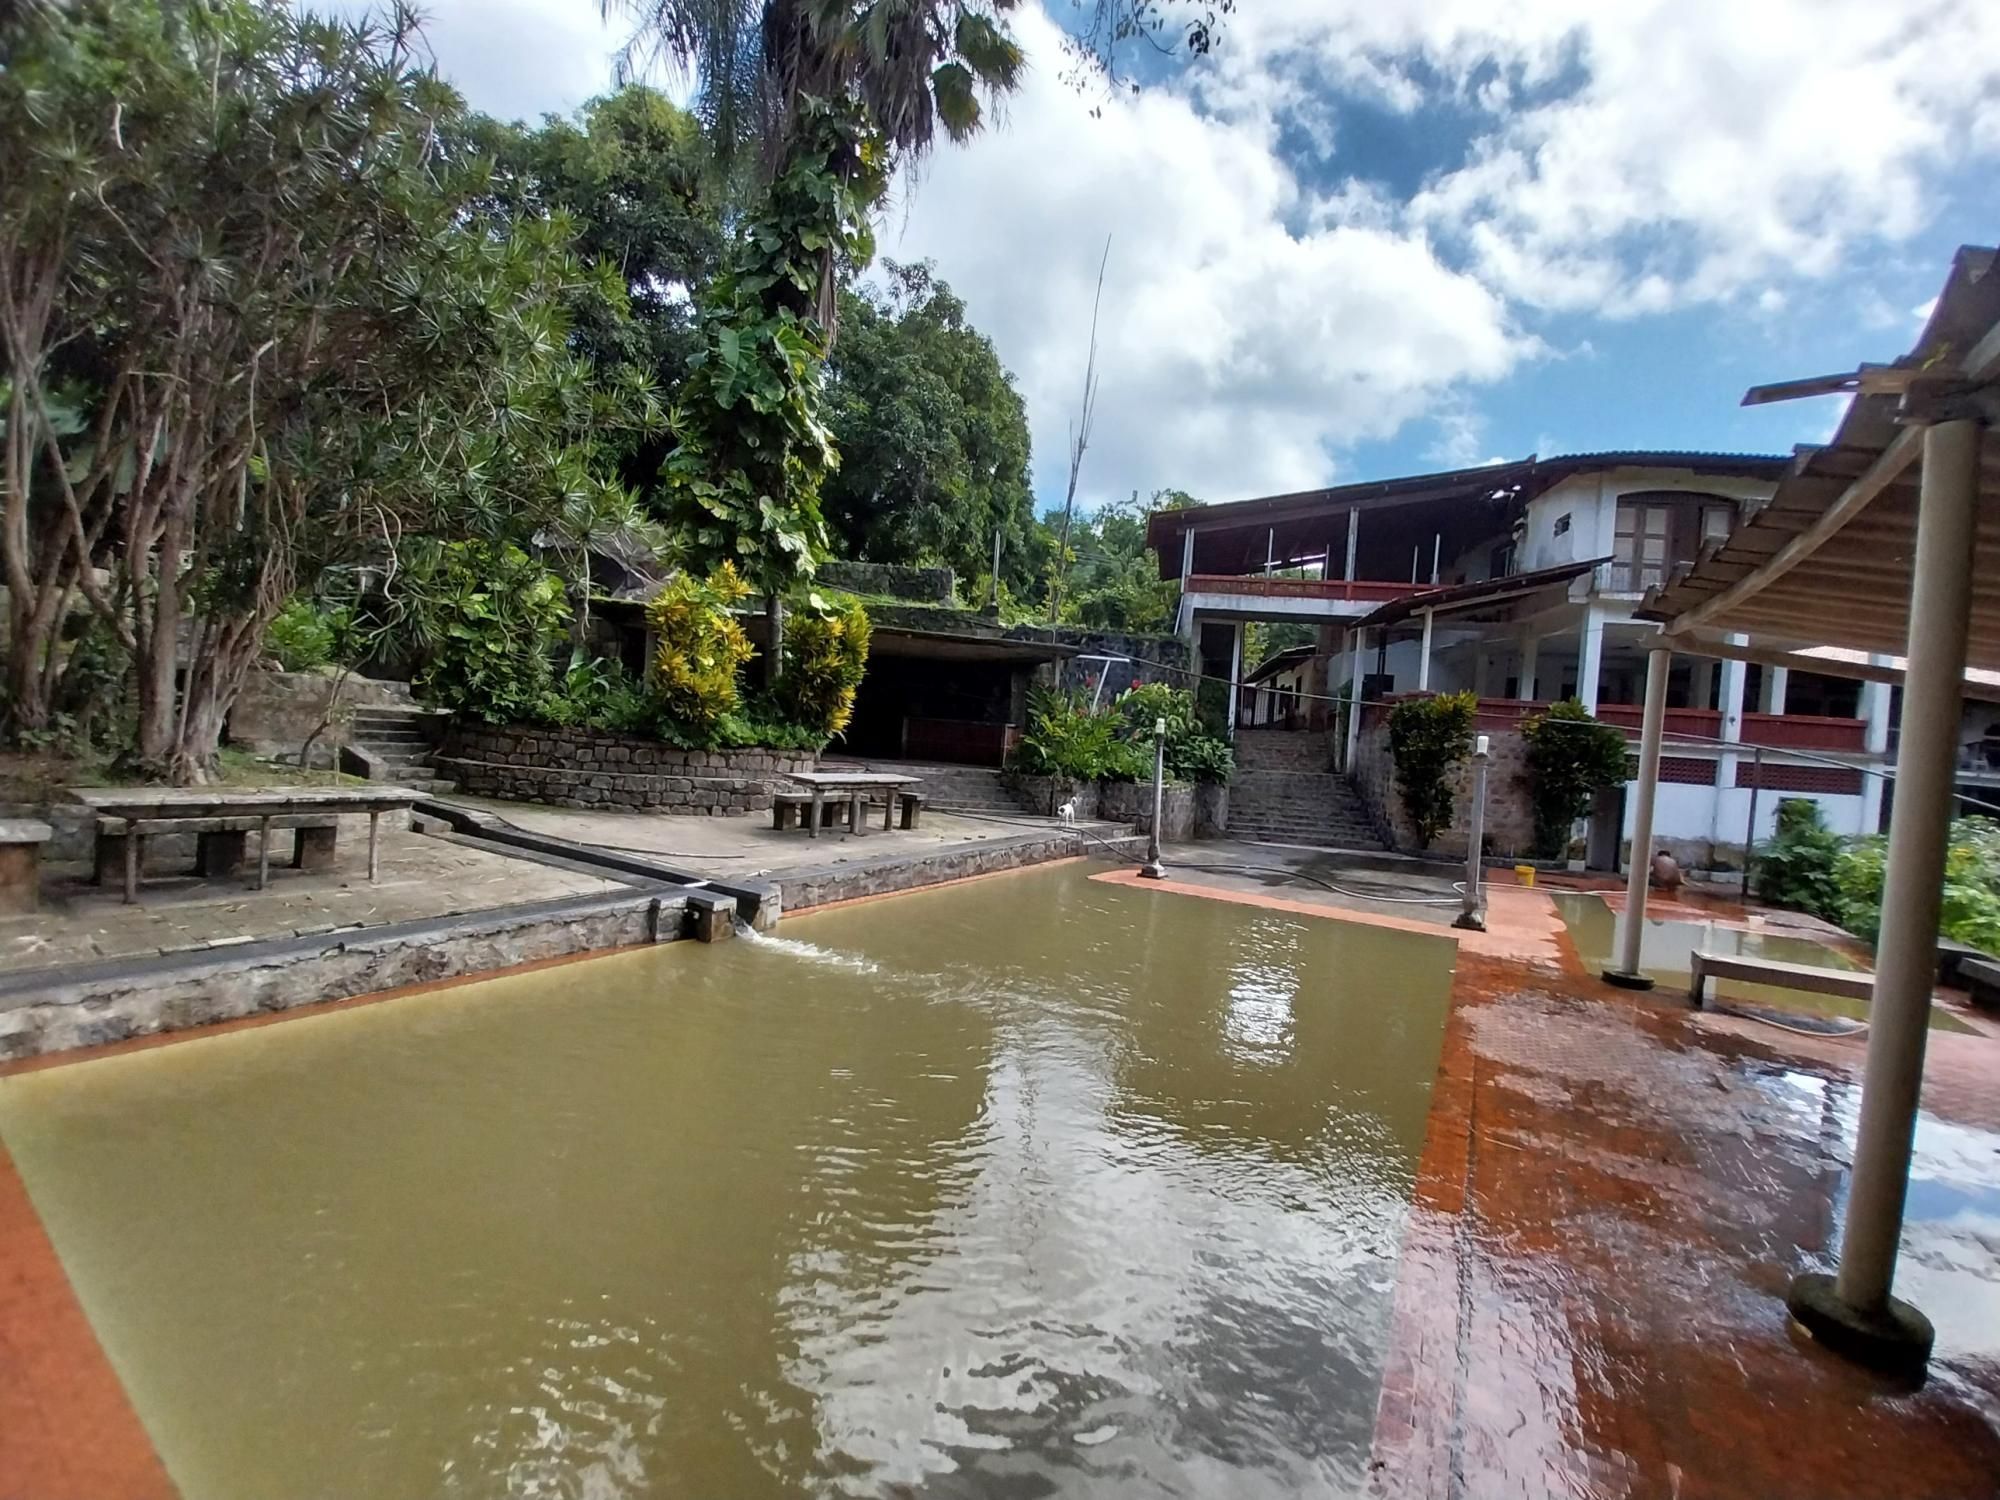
(752, 447)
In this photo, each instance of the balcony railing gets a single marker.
(1361, 589)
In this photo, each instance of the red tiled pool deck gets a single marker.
(1612, 1196)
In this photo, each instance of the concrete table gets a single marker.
(857, 785)
(21, 841)
(138, 807)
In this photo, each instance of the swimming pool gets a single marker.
(1032, 1185)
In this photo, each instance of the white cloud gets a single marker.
(1237, 354)
(1681, 150)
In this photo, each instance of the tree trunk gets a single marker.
(774, 613)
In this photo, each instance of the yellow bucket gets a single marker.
(1524, 875)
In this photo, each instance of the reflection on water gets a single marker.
(1028, 1187)
(1665, 946)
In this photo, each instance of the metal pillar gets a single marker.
(1469, 915)
(1531, 646)
(1424, 660)
(1875, 700)
(1353, 538)
(1659, 662)
(1854, 1311)
(1153, 869)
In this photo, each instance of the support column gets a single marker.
(1659, 662)
(1479, 665)
(1853, 1312)
(1590, 658)
(1353, 540)
(1531, 646)
(1184, 612)
(1735, 676)
(1235, 672)
(1354, 701)
(1771, 696)
(1875, 700)
(1424, 656)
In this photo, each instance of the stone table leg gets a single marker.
(812, 829)
(888, 809)
(263, 852)
(374, 846)
(132, 841)
(854, 819)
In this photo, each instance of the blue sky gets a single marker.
(1371, 237)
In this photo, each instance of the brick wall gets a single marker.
(591, 769)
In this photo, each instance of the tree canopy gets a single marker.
(932, 434)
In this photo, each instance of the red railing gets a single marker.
(1361, 589)
(1805, 731)
(1699, 723)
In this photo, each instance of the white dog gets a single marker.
(1067, 812)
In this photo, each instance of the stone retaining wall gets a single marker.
(590, 769)
(1510, 816)
(804, 889)
(277, 710)
(87, 1005)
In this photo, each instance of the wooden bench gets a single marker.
(222, 845)
(21, 841)
(1849, 984)
(1981, 978)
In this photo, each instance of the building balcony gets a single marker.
(1266, 596)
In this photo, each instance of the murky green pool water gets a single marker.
(1665, 948)
(1032, 1186)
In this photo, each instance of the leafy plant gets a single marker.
(825, 656)
(1570, 757)
(1064, 738)
(1203, 758)
(305, 637)
(1796, 868)
(1192, 754)
(600, 694)
(484, 622)
(701, 649)
(1428, 737)
(1971, 907)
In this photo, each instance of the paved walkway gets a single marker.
(421, 877)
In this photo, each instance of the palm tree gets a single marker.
(912, 66)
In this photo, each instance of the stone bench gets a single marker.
(21, 841)
(1848, 984)
(791, 809)
(222, 845)
(1981, 978)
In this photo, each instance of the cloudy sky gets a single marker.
(1372, 237)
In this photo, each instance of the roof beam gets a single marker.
(1856, 498)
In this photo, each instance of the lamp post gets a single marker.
(1469, 916)
(1153, 869)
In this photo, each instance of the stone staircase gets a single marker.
(1284, 792)
(1299, 807)
(971, 789)
(396, 744)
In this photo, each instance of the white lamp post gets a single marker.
(1154, 870)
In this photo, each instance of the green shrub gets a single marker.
(1970, 912)
(1796, 868)
(825, 657)
(305, 637)
(484, 622)
(1428, 737)
(1064, 738)
(1570, 757)
(600, 694)
(1202, 758)
(701, 649)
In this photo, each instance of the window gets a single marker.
(1562, 524)
(1501, 563)
(1661, 534)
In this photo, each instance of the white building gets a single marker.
(1519, 582)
